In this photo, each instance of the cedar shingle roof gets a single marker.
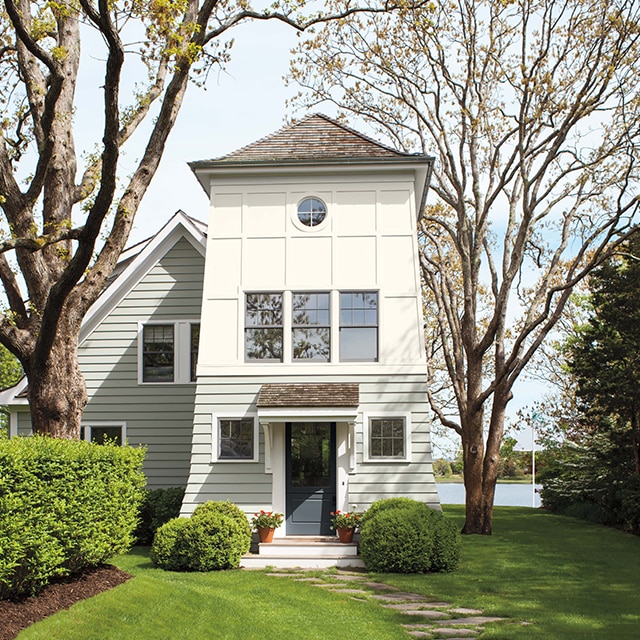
(316, 138)
(309, 395)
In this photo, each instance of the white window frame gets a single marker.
(215, 437)
(181, 353)
(101, 423)
(303, 227)
(408, 429)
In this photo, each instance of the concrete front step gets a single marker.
(307, 552)
(308, 546)
(262, 561)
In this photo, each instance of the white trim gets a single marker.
(307, 414)
(181, 351)
(13, 424)
(366, 430)
(89, 424)
(215, 437)
(178, 227)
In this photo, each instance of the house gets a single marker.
(300, 301)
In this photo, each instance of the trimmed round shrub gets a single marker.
(215, 537)
(400, 535)
(170, 548)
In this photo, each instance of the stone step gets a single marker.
(305, 546)
(263, 560)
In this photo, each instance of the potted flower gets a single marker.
(266, 522)
(345, 524)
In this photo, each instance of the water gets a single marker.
(507, 495)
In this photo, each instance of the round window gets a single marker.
(312, 212)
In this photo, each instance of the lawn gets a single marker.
(553, 577)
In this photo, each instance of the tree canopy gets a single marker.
(531, 110)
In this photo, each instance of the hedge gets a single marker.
(65, 506)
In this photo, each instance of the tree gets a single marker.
(67, 225)
(531, 109)
(604, 354)
(594, 469)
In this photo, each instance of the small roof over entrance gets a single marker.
(309, 395)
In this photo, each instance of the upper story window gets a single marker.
(359, 326)
(312, 212)
(169, 352)
(263, 326)
(311, 327)
(158, 353)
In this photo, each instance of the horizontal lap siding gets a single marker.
(249, 486)
(159, 417)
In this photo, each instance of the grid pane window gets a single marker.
(158, 353)
(387, 438)
(235, 439)
(359, 326)
(311, 333)
(263, 326)
(312, 212)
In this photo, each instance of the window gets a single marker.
(263, 326)
(387, 438)
(195, 343)
(235, 439)
(312, 212)
(311, 332)
(103, 432)
(359, 326)
(169, 352)
(158, 353)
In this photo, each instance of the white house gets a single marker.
(300, 303)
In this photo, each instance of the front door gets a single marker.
(311, 477)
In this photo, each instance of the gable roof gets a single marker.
(314, 139)
(134, 263)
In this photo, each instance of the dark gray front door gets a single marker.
(311, 477)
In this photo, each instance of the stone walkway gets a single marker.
(433, 620)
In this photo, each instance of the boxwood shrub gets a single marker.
(400, 535)
(216, 536)
(64, 506)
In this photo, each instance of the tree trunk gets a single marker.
(481, 477)
(57, 392)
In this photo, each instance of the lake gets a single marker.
(507, 495)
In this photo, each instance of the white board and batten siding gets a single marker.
(367, 243)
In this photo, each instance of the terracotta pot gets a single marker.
(345, 534)
(266, 534)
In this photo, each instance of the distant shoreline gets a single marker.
(456, 479)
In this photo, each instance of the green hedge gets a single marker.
(158, 507)
(400, 535)
(216, 536)
(64, 506)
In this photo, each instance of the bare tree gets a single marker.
(532, 110)
(62, 266)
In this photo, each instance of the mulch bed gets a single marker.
(18, 615)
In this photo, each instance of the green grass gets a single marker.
(554, 578)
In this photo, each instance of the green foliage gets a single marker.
(400, 535)
(595, 472)
(215, 537)
(159, 506)
(442, 468)
(64, 506)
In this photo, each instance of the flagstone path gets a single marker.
(433, 620)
